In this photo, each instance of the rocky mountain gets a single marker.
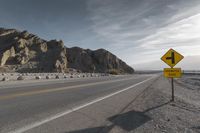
(25, 52)
(99, 60)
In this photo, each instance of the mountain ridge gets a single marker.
(26, 52)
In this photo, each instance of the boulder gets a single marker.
(20, 78)
(48, 77)
(38, 77)
(57, 77)
(5, 79)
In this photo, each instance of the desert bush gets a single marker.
(113, 72)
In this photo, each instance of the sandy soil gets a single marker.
(153, 112)
(191, 81)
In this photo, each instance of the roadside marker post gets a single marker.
(171, 58)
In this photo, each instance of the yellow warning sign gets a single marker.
(172, 57)
(172, 72)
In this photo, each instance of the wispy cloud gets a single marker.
(135, 30)
(141, 30)
(182, 33)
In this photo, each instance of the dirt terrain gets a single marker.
(191, 81)
(153, 112)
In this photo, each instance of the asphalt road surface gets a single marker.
(67, 106)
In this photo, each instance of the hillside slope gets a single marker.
(25, 52)
(99, 60)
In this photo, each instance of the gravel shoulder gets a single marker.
(153, 112)
(191, 81)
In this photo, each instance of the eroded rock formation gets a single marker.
(25, 52)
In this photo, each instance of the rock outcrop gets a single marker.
(25, 52)
(99, 60)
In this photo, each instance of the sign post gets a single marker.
(171, 58)
(172, 82)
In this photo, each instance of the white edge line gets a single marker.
(41, 122)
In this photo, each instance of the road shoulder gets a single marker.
(153, 112)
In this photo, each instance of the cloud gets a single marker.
(135, 30)
(183, 36)
(142, 30)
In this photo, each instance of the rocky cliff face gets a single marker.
(25, 52)
(96, 61)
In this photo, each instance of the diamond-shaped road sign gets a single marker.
(172, 57)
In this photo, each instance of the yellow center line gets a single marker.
(15, 95)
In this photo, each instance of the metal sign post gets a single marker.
(172, 83)
(171, 58)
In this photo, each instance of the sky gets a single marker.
(137, 31)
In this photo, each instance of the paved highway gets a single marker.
(67, 105)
